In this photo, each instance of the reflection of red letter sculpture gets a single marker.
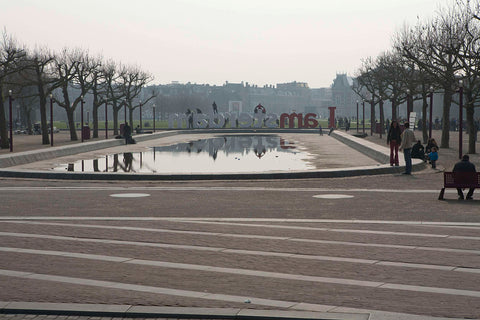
(283, 146)
(309, 121)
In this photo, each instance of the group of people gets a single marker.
(399, 140)
(429, 153)
(405, 140)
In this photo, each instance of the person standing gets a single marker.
(465, 166)
(394, 140)
(433, 156)
(127, 132)
(408, 138)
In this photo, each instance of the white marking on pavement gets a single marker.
(157, 290)
(218, 234)
(247, 252)
(263, 226)
(467, 225)
(129, 195)
(253, 273)
(333, 196)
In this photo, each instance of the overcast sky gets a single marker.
(213, 41)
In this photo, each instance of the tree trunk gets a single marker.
(471, 127)
(130, 117)
(3, 124)
(394, 110)
(447, 101)
(115, 120)
(372, 117)
(424, 119)
(71, 124)
(43, 116)
(95, 119)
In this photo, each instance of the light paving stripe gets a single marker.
(255, 273)
(218, 234)
(249, 252)
(362, 231)
(165, 291)
(466, 225)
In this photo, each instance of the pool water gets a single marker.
(223, 154)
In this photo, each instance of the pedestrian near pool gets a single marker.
(465, 166)
(408, 139)
(127, 132)
(394, 140)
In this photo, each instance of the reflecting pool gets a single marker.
(222, 154)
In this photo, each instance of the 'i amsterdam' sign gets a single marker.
(241, 120)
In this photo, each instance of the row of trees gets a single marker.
(67, 77)
(440, 55)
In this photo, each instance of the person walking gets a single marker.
(394, 140)
(464, 166)
(408, 138)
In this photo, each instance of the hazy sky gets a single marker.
(213, 41)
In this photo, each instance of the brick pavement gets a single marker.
(425, 269)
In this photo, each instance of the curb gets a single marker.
(131, 311)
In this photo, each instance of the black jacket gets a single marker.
(464, 166)
(394, 134)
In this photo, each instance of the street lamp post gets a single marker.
(141, 114)
(106, 120)
(10, 99)
(51, 119)
(153, 108)
(357, 116)
(381, 117)
(460, 126)
(363, 117)
(394, 110)
(408, 106)
(431, 110)
(125, 112)
(81, 116)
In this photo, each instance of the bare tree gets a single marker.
(435, 47)
(132, 81)
(114, 96)
(11, 56)
(469, 61)
(74, 69)
(42, 74)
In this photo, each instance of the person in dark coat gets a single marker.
(127, 132)
(394, 140)
(465, 166)
(418, 151)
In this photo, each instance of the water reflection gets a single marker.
(258, 153)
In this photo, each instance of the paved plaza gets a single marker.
(363, 247)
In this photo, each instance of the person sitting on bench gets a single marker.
(465, 166)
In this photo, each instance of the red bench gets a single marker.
(459, 180)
